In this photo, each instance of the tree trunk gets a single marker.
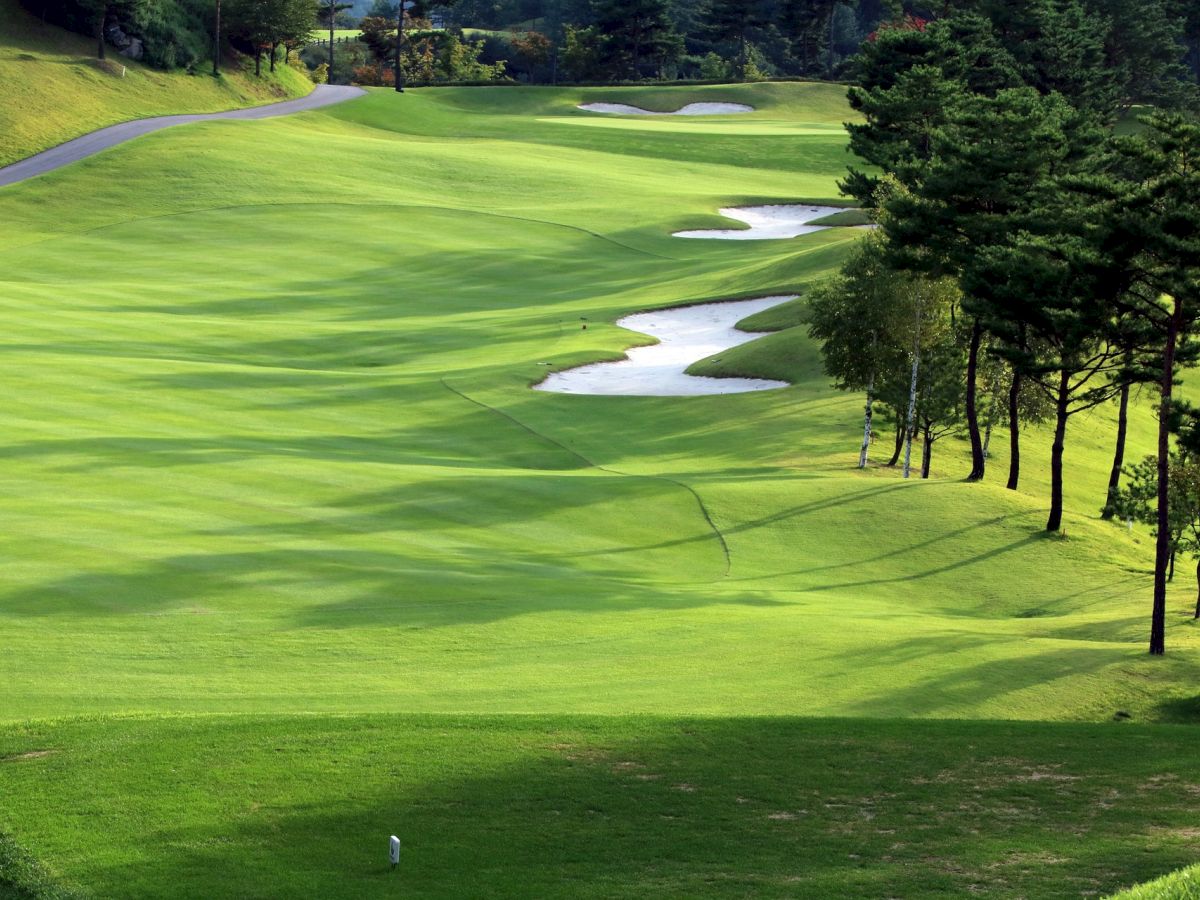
(258, 61)
(899, 442)
(1162, 550)
(332, 16)
(100, 32)
(1014, 433)
(926, 453)
(217, 42)
(1114, 477)
(910, 420)
(399, 73)
(978, 462)
(987, 438)
(866, 444)
(1197, 589)
(1171, 570)
(1014, 422)
(274, 47)
(1061, 406)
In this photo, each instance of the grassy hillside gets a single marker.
(1181, 885)
(55, 90)
(270, 449)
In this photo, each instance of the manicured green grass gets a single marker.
(603, 807)
(849, 217)
(54, 89)
(270, 449)
(322, 34)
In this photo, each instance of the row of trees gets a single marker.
(1028, 260)
(264, 26)
(598, 39)
(590, 40)
(419, 53)
(602, 40)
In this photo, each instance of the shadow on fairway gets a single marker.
(580, 807)
(389, 589)
(959, 683)
(1183, 710)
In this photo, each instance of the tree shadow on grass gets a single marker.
(581, 807)
(468, 438)
(1180, 710)
(384, 589)
(957, 682)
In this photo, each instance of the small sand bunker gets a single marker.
(766, 223)
(692, 109)
(686, 335)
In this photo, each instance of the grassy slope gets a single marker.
(54, 90)
(1181, 885)
(313, 480)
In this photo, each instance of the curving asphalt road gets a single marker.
(94, 142)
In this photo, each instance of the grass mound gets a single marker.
(1181, 885)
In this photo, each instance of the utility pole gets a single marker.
(404, 5)
(217, 42)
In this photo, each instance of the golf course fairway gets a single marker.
(295, 559)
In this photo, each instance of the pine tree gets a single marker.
(1150, 207)
(987, 164)
(734, 22)
(636, 35)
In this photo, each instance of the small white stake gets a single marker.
(394, 850)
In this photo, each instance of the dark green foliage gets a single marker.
(909, 80)
(733, 24)
(1145, 50)
(264, 25)
(171, 33)
(636, 38)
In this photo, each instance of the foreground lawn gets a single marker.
(270, 449)
(55, 90)
(601, 807)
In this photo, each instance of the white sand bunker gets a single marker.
(686, 335)
(692, 109)
(766, 222)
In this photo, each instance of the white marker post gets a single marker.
(394, 850)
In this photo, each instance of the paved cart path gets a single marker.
(93, 142)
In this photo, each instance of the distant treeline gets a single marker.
(597, 40)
